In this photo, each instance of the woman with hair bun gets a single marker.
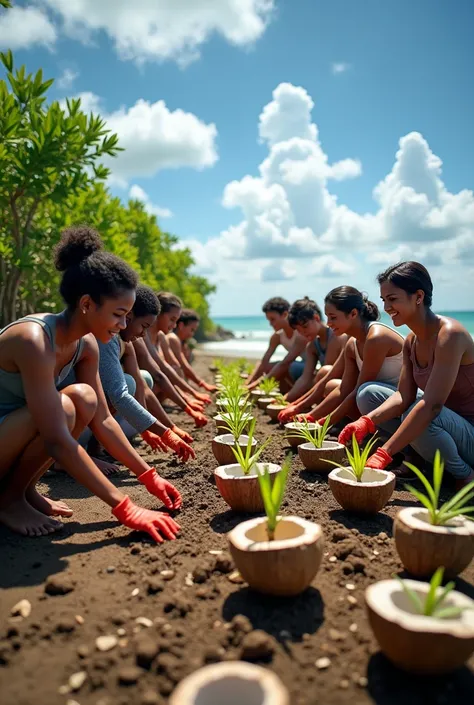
(373, 352)
(40, 421)
(433, 407)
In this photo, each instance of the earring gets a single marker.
(84, 311)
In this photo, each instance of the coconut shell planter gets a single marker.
(223, 427)
(222, 405)
(273, 410)
(285, 566)
(263, 402)
(368, 496)
(414, 642)
(240, 491)
(423, 547)
(232, 683)
(256, 394)
(222, 447)
(292, 426)
(320, 459)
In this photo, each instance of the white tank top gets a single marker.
(391, 367)
(285, 340)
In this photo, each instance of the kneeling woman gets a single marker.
(39, 424)
(433, 408)
(373, 351)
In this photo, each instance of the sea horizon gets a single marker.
(252, 334)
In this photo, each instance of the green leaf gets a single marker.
(430, 491)
(412, 595)
(430, 600)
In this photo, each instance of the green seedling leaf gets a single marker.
(273, 496)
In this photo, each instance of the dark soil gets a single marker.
(95, 578)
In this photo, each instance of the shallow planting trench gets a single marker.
(115, 619)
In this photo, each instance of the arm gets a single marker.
(280, 370)
(330, 404)
(335, 347)
(265, 361)
(302, 385)
(175, 347)
(167, 352)
(130, 366)
(174, 378)
(315, 394)
(376, 348)
(148, 359)
(450, 348)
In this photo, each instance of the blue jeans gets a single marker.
(449, 433)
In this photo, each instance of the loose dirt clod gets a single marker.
(129, 675)
(58, 585)
(257, 646)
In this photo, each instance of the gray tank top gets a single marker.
(12, 395)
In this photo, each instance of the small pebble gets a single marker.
(235, 577)
(144, 622)
(322, 663)
(106, 643)
(128, 675)
(110, 569)
(350, 586)
(135, 592)
(64, 690)
(353, 628)
(216, 553)
(121, 631)
(344, 684)
(167, 574)
(352, 600)
(362, 682)
(188, 581)
(375, 552)
(22, 609)
(71, 702)
(77, 680)
(333, 559)
(79, 619)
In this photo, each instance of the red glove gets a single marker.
(204, 398)
(141, 519)
(199, 418)
(379, 460)
(182, 434)
(360, 428)
(195, 404)
(180, 447)
(161, 488)
(153, 441)
(287, 414)
(306, 417)
(322, 421)
(208, 387)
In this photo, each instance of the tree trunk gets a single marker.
(8, 295)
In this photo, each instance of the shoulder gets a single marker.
(451, 333)
(275, 338)
(379, 331)
(90, 346)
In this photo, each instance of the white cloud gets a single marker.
(340, 67)
(66, 80)
(159, 30)
(154, 138)
(24, 27)
(290, 214)
(136, 193)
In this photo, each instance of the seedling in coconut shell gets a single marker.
(357, 459)
(433, 603)
(273, 495)
(315, 436)
(269, 385)
(279, 400)
(450, 509)
(435, 535)
(316, 453)
(247, 459)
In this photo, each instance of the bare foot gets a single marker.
(103, 465)
(50, 507)
(21, 517)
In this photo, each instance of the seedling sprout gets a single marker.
(432, 605)
(273, 495)
(357, 459)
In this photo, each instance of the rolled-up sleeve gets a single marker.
(116, 389)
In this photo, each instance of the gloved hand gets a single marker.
(141, 519)
(182, 434)
(287, 414)
(195, 404)
(322, 421)
(379, 460)
(161, 488)
(360, 428)
(154, 441)
(208, 387)
(199, 418)
(180, 447)
(305, 417)
(204, 398)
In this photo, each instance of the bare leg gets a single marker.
(26, 459)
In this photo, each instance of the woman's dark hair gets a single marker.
(411, 277)
(303, 310)
(88, 269)
(146, 302)
(276, 305)
(188, 316)
(168, 301)
(347, 298)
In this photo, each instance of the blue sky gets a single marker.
(407, 69)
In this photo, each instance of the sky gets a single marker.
(292, 145)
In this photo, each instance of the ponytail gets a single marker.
(347, 298)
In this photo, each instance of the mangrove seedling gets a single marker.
(273, 495)
(268, 385)
(357, 459)
(247, 459)
(315, 436)
(432, 606)
(279, 400)
(454, 507)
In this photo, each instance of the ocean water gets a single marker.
(253, 332)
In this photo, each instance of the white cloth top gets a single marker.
(391, 367)
(285, 340)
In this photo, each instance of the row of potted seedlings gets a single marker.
(280, 555)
